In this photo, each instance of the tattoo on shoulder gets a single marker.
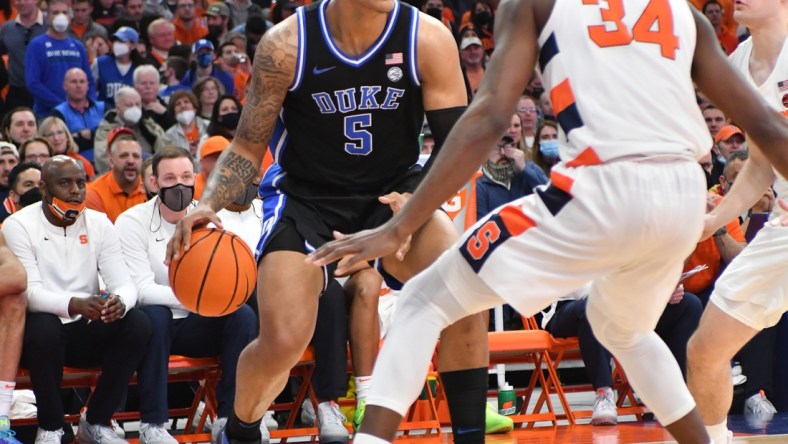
(272, 74)
(234, 172)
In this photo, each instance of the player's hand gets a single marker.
(347, 271)
(766, 203)
(710, 225)
(180, 242)
(395, 200)
(89, 308)
(114, 309)
(678, 295)
(360, 247)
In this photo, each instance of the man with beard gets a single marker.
(23, 178)
(119, 188)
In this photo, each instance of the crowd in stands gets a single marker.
(139, 98)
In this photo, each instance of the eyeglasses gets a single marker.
(526, 110)
(503, 146)
(54, 133)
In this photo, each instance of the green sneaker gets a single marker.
(497, 423)
(359, 415)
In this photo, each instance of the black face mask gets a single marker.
(29, 197)
(482, 18)
(177, 197)
(435, 12)
(215, 30)
(230, 121)
(249, 194)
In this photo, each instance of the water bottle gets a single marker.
(507, 400)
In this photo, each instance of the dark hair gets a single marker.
(13, 176)
(179, 65)
(200, 85)
(6, 124)
(709, 3)
(214, 127)
(256, 24)
(168, 152)
(37, 139)
(536, 154)
(226, 43)
(178, 95)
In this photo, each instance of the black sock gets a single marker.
(466, 393)
(238, 430)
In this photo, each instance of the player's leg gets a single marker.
(12, 328)
(751, 295)
(462, 354)
(287, 297)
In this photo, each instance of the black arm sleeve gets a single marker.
(441, 122)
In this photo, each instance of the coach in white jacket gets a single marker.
(70, 320)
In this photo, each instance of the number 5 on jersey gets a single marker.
(655, 25)
(360, 139)
(508, 222)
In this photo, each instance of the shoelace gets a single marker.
(332, 415)
(156, 431)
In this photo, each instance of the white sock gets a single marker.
(363, 383)
(6, 396)
(363, 438)
(718, 432)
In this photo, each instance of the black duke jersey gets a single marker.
(350, 124)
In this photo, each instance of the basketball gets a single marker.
(216, 276)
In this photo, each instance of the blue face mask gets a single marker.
(549, 148)
(205, 59)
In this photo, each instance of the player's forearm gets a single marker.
(747, 189)
(235, 169)
(465, 149)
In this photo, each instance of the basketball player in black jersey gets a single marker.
(338, 92)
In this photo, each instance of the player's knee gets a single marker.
(284, 345)
(13, 306)
(701, 353)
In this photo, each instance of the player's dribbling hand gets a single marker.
(114, 309)
(202, 215)
(362, 246)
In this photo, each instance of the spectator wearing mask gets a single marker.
(22, 178)
(481, 18)
(116, 69)
(128, 113)
(435, 8)
(191, 128)
(545, 149)
(217, 17)
(118, 189)
(50, 56)
(9, 158)
(161, 35)
(204, 57)
(15, 36)
(225, 117)
(146, 82)
(81, 114)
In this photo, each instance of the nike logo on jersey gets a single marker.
(317, 71)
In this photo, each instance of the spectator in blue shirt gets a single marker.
(48, 58)
(81, 114)
(15, 36)
(203, 51)
(115, 69)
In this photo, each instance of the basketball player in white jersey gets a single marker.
(752, 293)
(625, 205)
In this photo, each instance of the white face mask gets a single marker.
(120, 49)
(132, 115)
(185, 117)
(60, 22)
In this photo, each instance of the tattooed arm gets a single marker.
(272, 74)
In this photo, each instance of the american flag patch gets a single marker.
(782, 85)
(394, 59)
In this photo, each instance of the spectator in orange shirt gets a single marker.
(712, 9)
(715, 252)
(237, 64)
(119, 188)
(481, 18)
(210, 151)
(188, 28)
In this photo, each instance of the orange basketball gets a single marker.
(216, 276)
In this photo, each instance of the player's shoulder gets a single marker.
(433, 35)
(282, 37)
(742, 52)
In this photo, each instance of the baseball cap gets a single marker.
(202, 44)
(726, 132)
(218, 9)
(468, 41)
(126, 34)
(213, 145)
(115, 132)
(8, 148)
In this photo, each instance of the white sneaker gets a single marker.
(218, 428)
(331, 423)
(307, 413)
(605, 412)
(197, 414)
(270, 421)
(117, 428)
(736, 373)
(155, 434)
(48, 436)
(760, 406)
(96, 434)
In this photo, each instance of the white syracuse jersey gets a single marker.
(774, 90)
(618, 72)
